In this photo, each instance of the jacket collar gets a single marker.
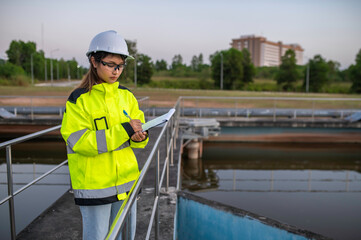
(106, 87)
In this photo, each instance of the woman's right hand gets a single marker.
(136, 125)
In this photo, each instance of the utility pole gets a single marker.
(307, 77)
(51, 71)
(135, 72)
(51, 64)
(68, 72)
(221, 72)
(32, 69)
(46, 73)
(57, 70)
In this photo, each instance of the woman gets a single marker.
(101, 125)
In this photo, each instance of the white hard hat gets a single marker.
(109, 41)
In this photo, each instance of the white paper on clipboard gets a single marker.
(158, 121)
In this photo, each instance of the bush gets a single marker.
(266, 72)
(18, 80)
(183, 83)
(9, 70)
(13, 75)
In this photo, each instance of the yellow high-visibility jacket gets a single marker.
(102, 164)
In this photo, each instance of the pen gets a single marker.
(126, 114)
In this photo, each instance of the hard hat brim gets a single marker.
(127, 56)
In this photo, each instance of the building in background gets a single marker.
(264, 52)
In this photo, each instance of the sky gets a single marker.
(162, 29)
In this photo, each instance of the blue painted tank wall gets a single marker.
(199, 221)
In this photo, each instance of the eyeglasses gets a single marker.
(114, 66)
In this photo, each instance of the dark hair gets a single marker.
(91, 77)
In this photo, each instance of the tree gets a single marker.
(161, 65)
(19, 53)
(132, 47)
(144, 69)
(177, 61)
(178, 69)
(128, 73)
(73, 67)
(287, 74)
(38, 64)
(9, 70)
(318, 73)
(232, 68)
(334, 74)
(197, 63)
(248, 68)
(355, 74)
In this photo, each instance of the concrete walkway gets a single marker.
(56, 83)
(63, 219)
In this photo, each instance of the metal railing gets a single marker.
(272, 183)
(270, 107)
(11, 194)
(170, 132)
(33, 105)
(7, 145)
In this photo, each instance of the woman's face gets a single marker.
(109, 68)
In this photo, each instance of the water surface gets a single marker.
(31, 160)
(312, 186)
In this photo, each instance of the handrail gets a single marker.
(123, 212)
(28, 137)
(34, 109)
(11, 194)
(34, 181)
(273, 98)
(120, 220)
(172, 125)
(275, 110)
(8, 144)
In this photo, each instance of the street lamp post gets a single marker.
(57, 70)
(135, 72)
(46, 71)
(32, 69)
(221, 82)
(51, 64)
(307, 77)
(68, 72)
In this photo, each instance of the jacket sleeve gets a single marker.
(136, 113)
(77, 132)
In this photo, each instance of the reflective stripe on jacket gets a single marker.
(102, 164)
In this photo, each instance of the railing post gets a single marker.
(182, 108)
(157, 196)
(274, 110)
(236, 110)
(167, 159)
(31, 108)
(313, 110)
(172, 150)
(197, 106)
(10, 191)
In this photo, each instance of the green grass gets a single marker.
(168, 96)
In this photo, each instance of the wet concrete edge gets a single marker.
(244, 213)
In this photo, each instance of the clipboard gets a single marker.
(158, 121)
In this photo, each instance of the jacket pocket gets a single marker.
(100, 120)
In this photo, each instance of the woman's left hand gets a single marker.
(139, 136)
